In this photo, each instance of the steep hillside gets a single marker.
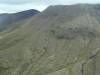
(62, 40)
(7, 18)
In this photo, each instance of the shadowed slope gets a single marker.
(7, 19)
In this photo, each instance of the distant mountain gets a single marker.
(61, 40)
(6, 18)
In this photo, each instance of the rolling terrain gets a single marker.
(61, 40)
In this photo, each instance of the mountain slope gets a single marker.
(7, 19)
(62, 40)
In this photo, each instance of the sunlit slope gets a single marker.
(63, 42)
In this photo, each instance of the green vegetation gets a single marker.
(62, 40)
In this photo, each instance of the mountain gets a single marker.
(61, 40)
(6, 19)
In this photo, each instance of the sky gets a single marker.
(12, 6)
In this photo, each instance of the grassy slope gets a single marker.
(7, 19)
(39, 45)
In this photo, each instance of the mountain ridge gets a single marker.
(9, 18)
(47, 44)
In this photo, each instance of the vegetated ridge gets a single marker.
(61, 40)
